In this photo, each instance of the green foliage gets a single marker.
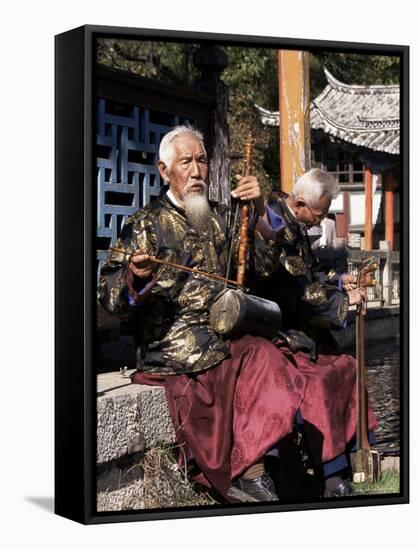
(166, 61)
(252, 78)
(353, 69)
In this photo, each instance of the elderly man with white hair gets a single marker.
(312, 301)
(309, 297)
(231, 401)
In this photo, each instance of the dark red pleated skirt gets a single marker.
(229, 416)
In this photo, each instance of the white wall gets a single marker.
(357, 208)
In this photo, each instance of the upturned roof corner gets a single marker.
(364, 115)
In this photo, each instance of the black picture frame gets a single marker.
(75, 280)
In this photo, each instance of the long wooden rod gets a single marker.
(362, 425)
(244, 227)
(362, 430)
(194, 271)
(180, 267)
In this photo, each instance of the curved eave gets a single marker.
(359, 88)
(268, 118)
(385, 141)
(380, 140)
(391, 127)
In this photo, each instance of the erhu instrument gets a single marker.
(233, 312)
(366, 463)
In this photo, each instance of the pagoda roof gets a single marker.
(366, 116)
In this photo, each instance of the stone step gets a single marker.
(130, 417)
(136, 465)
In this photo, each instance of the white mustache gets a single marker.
(191, 184)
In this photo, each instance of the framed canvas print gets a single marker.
(231, 274)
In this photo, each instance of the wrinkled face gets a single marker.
(187, 174)
(313, 214)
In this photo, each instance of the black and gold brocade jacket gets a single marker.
(306, 295)
(170, 312)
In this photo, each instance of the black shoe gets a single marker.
(337, 487)
(260, 489)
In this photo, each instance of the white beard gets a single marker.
(197, 209)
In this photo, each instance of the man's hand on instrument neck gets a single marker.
(348, 282)
(248, 189)
(358, 297)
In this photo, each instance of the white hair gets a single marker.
(167, 149)
(315, 184)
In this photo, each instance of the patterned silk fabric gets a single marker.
(306, 295)
(170, 312)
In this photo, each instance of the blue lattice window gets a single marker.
(127, 140)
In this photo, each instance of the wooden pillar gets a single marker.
(368, 208)
(346, 214)
(294, 116)
(388, 184)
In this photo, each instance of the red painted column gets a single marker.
(368, 208)
(388, 184)
(346, 214)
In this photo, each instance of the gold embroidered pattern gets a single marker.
(219, 237)
(288, 234)
(331, 275)
(114, 295)
(296, 266)
(171, 226)
(145, 244)
(166, 281)
(343, 309)
(183, 300)
(197, 254)
(315, 294)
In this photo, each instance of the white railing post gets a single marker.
(387, 274)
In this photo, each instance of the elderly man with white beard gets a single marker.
(231, 401)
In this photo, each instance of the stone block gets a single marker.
(130, 417)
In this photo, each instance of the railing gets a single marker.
(127, 175)
(387, 290)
